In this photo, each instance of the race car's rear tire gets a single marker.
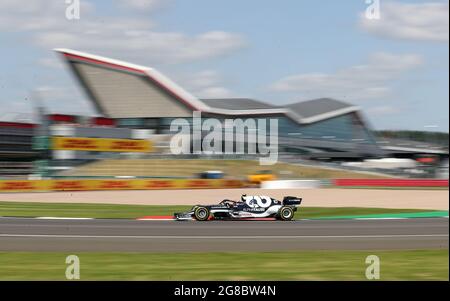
(286, 213)
(201, 213)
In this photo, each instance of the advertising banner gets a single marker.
(23, 186)
(115, 184)
(392, 182)
(101, 144)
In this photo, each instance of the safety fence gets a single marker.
(116, 184)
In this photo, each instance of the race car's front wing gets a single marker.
(184, 216)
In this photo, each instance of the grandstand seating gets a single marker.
(16, 149)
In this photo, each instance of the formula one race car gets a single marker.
(249, 207)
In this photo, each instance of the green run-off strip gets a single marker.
(391, 215)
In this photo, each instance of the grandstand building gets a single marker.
(16, 148)
(142, 98)
(136, 105)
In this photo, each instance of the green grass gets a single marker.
(190, 167)
(31, 209)
(19, 209)
(304, 265)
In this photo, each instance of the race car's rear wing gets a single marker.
(292, 201)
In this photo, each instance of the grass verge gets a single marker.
(19, 209)
(189, 167)
(304, 265)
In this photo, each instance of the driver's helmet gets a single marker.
(243, 197)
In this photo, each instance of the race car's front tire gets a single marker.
(286, 213)
(201, 213)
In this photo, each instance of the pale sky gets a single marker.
(395, 67)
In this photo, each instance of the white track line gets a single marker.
(169, 219)
(155, 219)
(221, 237)
(377, 218)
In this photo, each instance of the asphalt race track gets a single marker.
(21, 234)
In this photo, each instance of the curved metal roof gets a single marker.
(124, 90)
(237, 104)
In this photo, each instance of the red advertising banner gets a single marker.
(392, 182)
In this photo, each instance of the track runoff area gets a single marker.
(193, 249)
(121, 235)
(409, 230)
